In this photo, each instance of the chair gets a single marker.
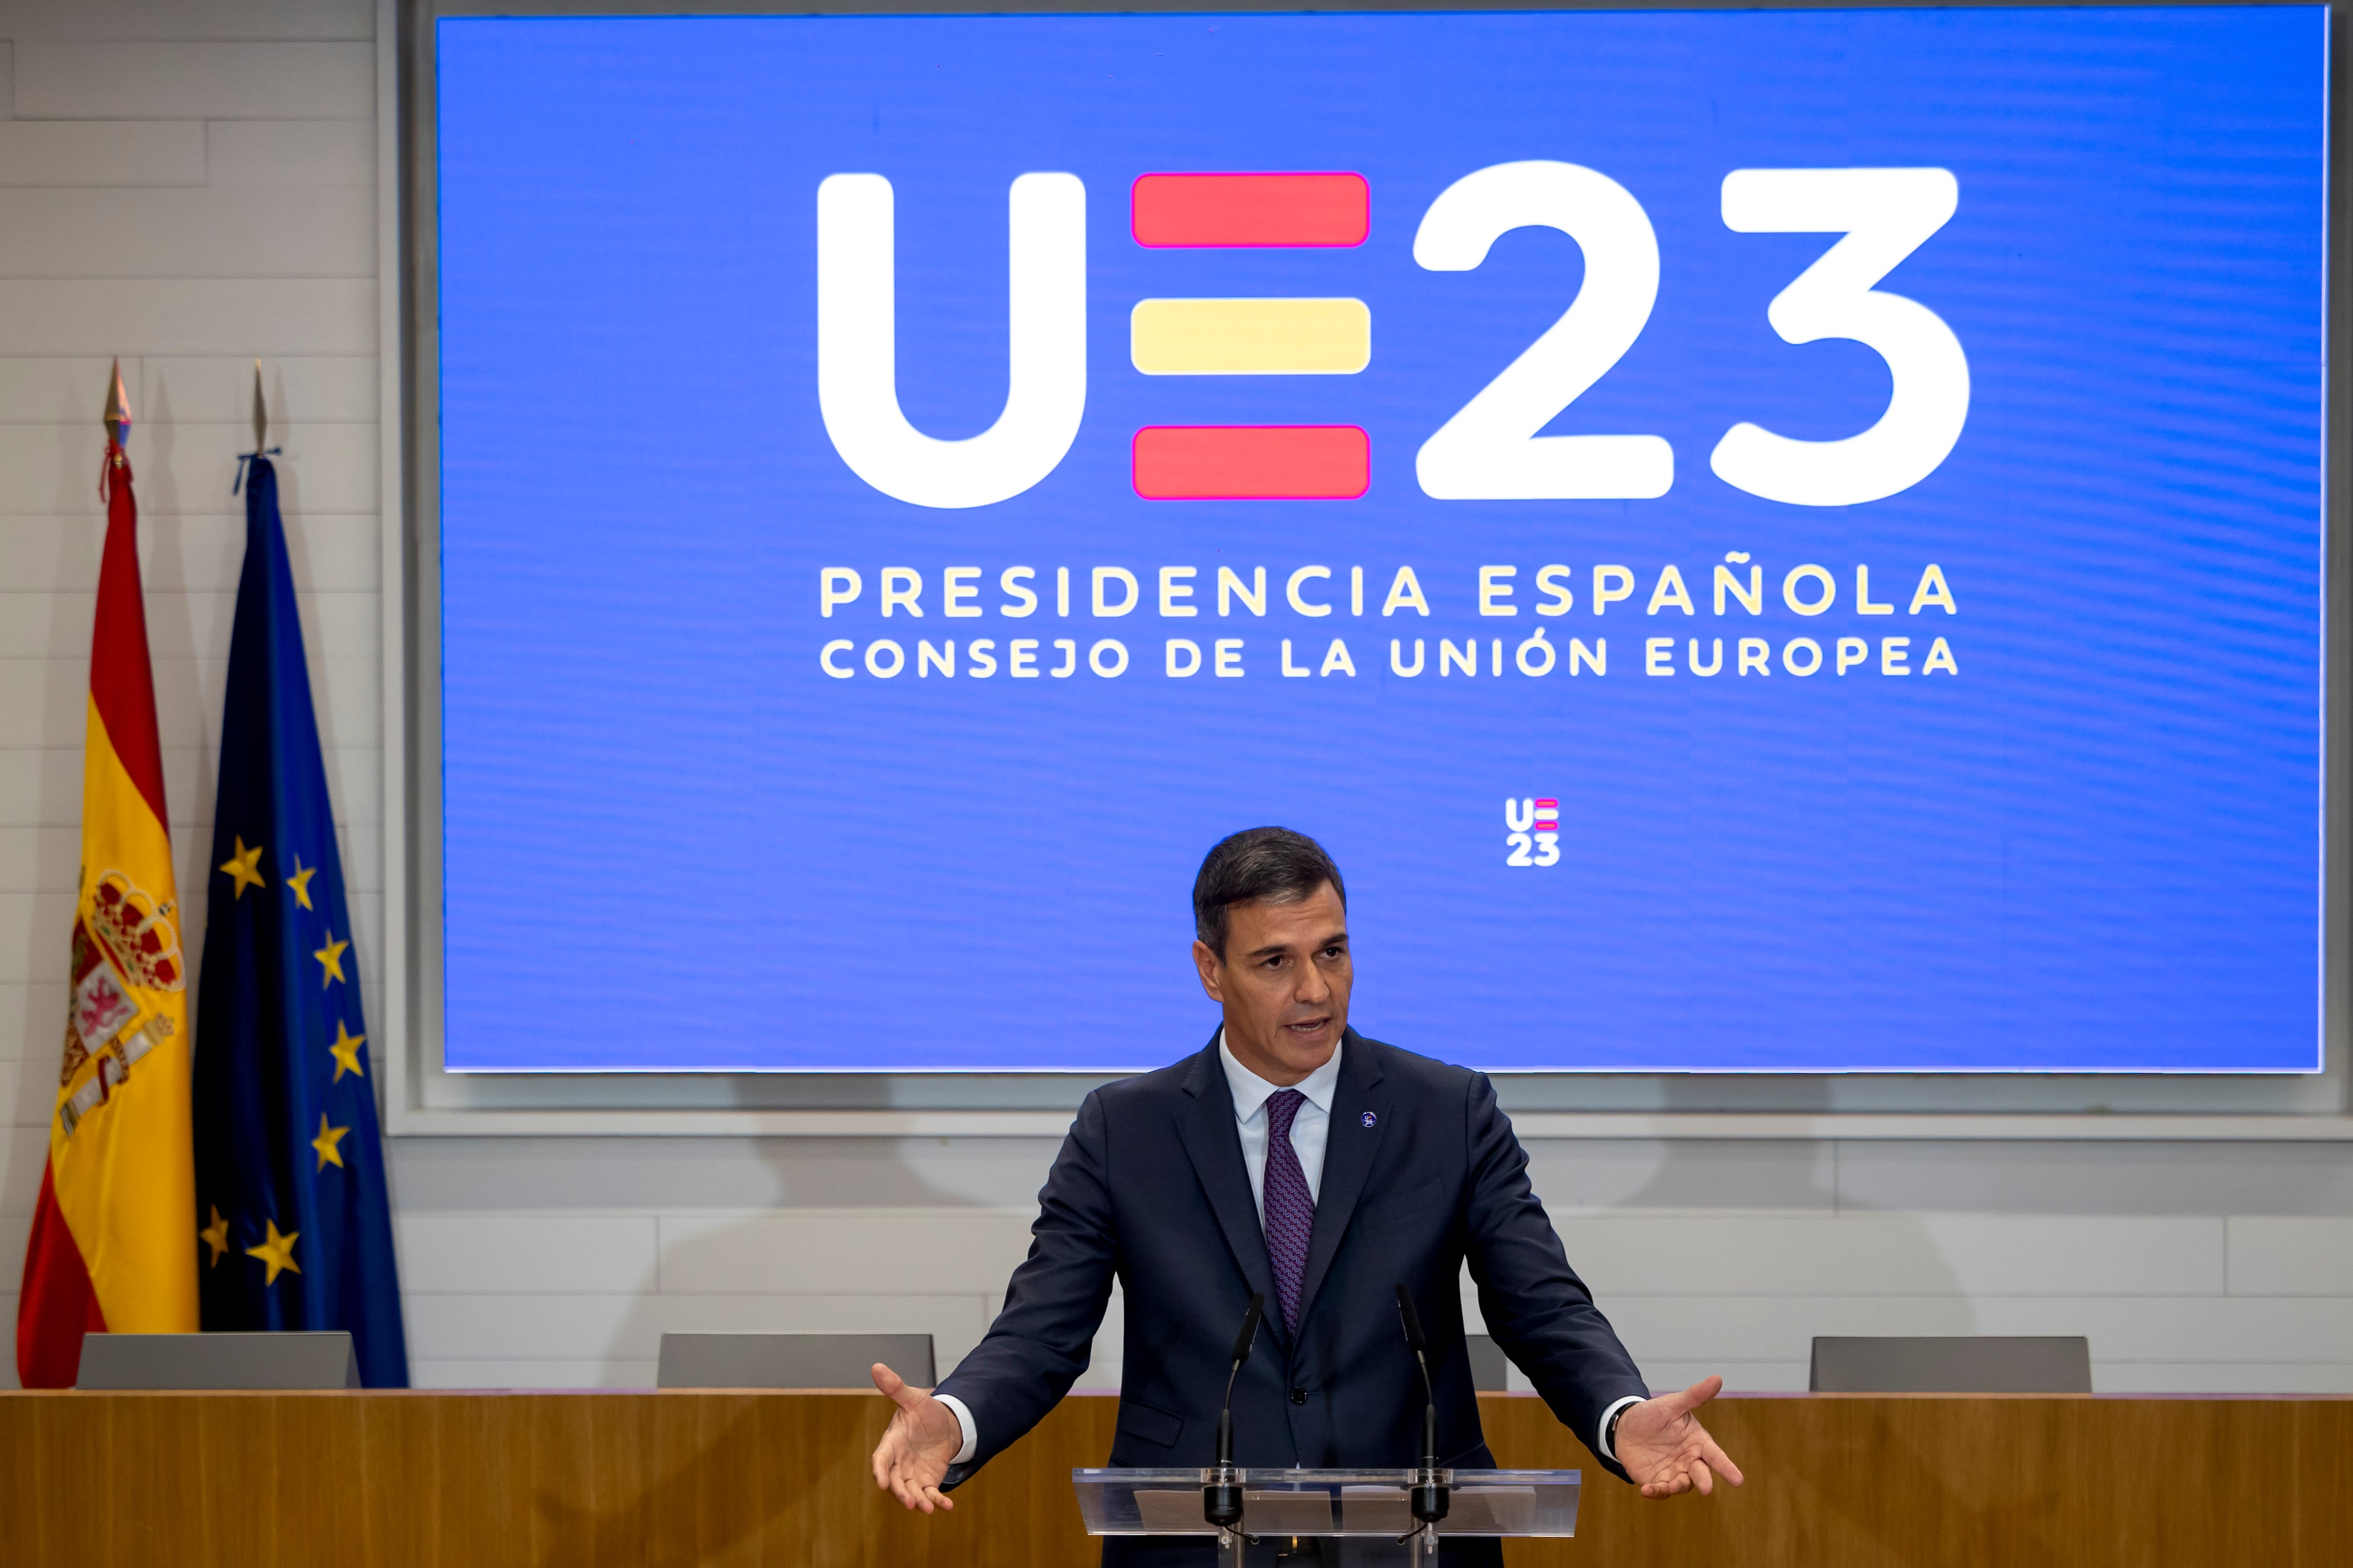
(291, 1358)
(790, 1360)
(1491, 1371)
(2056, 1364)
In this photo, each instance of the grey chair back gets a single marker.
(1967, 1364)
(1491, 1371)
(286, 1359)
(791, 1361)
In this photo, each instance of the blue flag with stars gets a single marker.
(293, 1228)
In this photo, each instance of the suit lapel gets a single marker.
(1349, 1147)
(1206, 1122)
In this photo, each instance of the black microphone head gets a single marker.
(1256, 1310)
(1411, 1319)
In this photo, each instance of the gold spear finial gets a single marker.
(118, 408)
(261, 410)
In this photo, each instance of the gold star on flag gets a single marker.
(241, 868)
(346, 1052)
(276, 1252)
(300, 881)
(327, 1138)
(215, 1235)
(330, 959)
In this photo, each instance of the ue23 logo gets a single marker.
(1490, 448)
(1534, 832)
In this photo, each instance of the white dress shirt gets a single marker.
(1311, 1128)
(1311, 1125)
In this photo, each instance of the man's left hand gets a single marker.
(1665, 1450)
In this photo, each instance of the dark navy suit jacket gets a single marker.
(1421, 1170)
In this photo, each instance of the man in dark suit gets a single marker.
(1296, 1158)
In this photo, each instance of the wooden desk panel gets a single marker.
(779, 1480)
(1951, 1481)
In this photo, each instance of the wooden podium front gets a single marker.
(669, 1481)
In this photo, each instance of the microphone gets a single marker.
(1429, 1495)
(1221, 1500)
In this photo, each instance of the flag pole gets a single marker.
(117, 417)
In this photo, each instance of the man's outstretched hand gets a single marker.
(912, 1457)
(1660, 1443)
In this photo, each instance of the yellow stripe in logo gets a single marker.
(1251, 337)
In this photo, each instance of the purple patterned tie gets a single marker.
(1290, 1207)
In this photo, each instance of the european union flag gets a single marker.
(293, 1228)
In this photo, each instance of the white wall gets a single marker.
(188, 186)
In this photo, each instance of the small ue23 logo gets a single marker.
(1534, 832)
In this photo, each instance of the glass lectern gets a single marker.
(1358, 1519)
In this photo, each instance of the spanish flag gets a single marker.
(113, 1244)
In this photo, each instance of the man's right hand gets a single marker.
(924, 1434)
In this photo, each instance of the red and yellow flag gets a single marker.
(112, 1244)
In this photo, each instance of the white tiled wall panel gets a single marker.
(268, 316)
(2223, 1377)
(184, 466)
(629, 1326)
(48, 699)
(52, 793)
(136, 79)
(1871, 1253)
(146, 20)
(307, 231)
(534, 1254)
(179, 623)
(89, 155)
(2292, 1257)
(186, 186)
(888, 1251)
(284, 154)
(24, 1150)
(332, 552)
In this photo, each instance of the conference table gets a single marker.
(431, 1479)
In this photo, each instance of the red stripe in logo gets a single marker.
(1251, 462)
(1250, 209)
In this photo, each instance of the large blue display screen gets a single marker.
(1778, 541)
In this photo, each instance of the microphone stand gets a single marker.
(1428, 1495)
(1221, 1499)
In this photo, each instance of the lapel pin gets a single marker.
(1370, 1118)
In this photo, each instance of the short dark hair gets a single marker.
(1258, 865)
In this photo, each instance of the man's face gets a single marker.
(1284, 980)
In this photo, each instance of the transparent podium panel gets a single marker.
(1345, 1518)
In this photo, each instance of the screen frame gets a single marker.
(422, 1097)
